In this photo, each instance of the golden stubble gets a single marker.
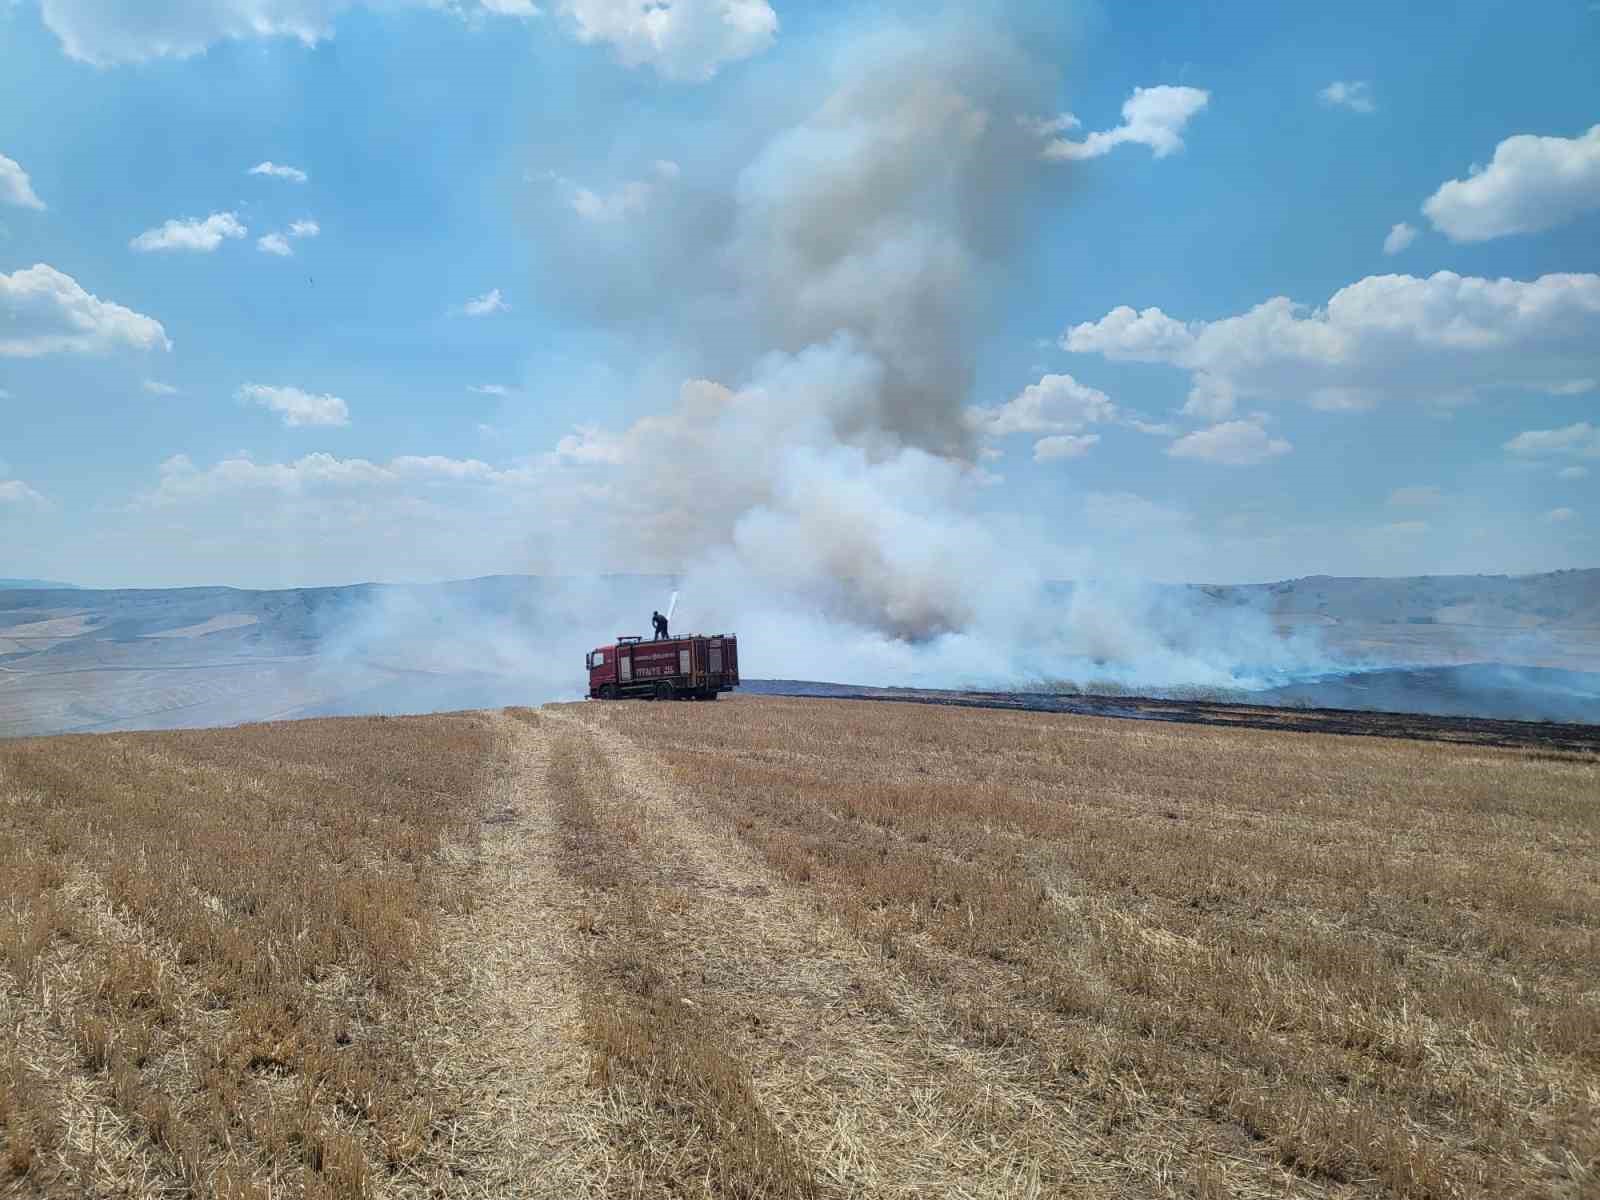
(1371, 962)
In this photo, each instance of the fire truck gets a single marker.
(697, 667)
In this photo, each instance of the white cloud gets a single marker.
(1532, 184)
(1447, 338)
(1579, 439)
(1153, 428)
(484, 305)
(626, 200)
(1354, 94)
(1404, 528)
(181, 480)
(43, 311)
(297, 407)
(279, 171)
(1417, 496)
(611, 206)
(1400, 236)
(156, 388)
(106, 32)
(15, 186)
(1065, 445)
(1232, 444)
(14, 491)
(1153, 116)
(1560, 516)
(686, 40)
(1573, 473)
(278, 243)
(1056, 404)
(191, 233)
(490, 389)
(1049, 126)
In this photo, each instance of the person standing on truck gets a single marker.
(660, 624)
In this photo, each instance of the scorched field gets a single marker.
(795, 948)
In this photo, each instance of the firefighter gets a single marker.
(660, 623)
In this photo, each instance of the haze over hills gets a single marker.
(79, 659)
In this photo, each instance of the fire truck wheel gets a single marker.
(608, 691)
(663, 690)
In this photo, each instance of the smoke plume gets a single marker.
(839, 271)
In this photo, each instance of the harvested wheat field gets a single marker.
(795, 948)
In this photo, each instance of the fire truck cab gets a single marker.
(697, 667)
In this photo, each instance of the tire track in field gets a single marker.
(504, 1018)
(857, 1067)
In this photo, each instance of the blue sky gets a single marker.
(602, 284)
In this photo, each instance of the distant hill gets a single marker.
(85, 659)
(38, 585)
(1560, 599)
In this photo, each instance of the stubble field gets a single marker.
(795, 948)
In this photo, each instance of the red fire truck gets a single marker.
(697, 667)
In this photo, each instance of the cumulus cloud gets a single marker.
(1532, 184)
(485, 305)
(1400, 236)
(15, 492)
(1560, 516)
(1447, 338)
(1153, 117)
(1065, 445)
(686, 40)
(106, 32)
(1580, 439)
(278, 243)
(15, 186)
(1056, 404)
(156, 388)
(279, 171)
(45, 311)
(1354, 94)
(625, 200)
(1231, 444)
(297, 408)
(491, 389)
(200, 235)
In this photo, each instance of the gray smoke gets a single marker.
(836, 271)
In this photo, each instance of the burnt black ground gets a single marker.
(1555, 736)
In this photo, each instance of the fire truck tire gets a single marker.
(608, 691)
(663, 690)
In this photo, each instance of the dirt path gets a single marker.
(863, 1072)
(878, 1093)
(509, 1030)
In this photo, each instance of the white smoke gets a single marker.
(827, 491)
